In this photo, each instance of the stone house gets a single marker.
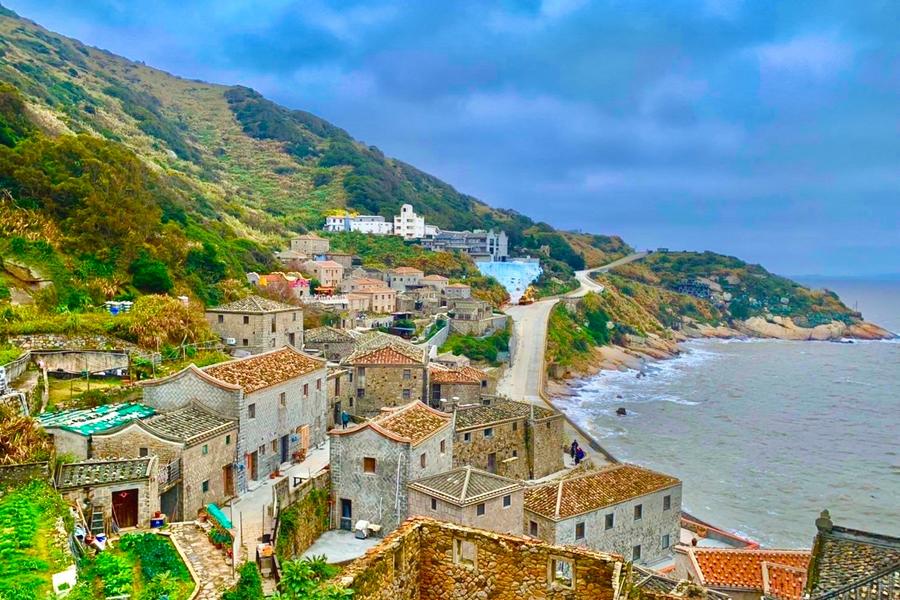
(196, 452)
(380, 301)
(339, 394)
(512, 439)
(255, 324)
(72, 430)
(334, 344)
(278, 399)
(288, 285)
(386, 371)
(457, 385)
(745, 573)
(310, 244)
(371, 463)
(329, 273)
(120, 492)
(421, 300)
(473, 317)
(399, 278)
(342, 258)
(438, 282)
(457, 291)
(623, 508)
(360, 284)
(469, 497)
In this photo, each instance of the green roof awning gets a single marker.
(221, 518)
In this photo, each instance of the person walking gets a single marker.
(573, 449)
(345, 419)
(579, 456)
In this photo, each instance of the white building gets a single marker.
(408, 224)
(372, 224)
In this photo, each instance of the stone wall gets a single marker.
(546, 446)
(16, 368)
(507, 443)
(128, 442)
(468, 393)
(256, 335)
(180, 389)
(303, 517)
(422, 561)
(69, 442)
(496, 517)
(76, 361)
(384, 386)
(333, 351)
(17, 475)
(148, 497)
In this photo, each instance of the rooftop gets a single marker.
(411, 423)
(87, 421)
(327, 334)
(103, 472)
(265, 370)
(442, 374)
(478, 416)
(465, 485)
(366, 281)
(434, 277)
(598, 489)
(747, 569)
(405, 270)
(189, 425)
(308, 236)
(458, 285)
(327, 263)
(253, 304)
(378, 348)
(652, 581)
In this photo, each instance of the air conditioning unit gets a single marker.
(230, 341)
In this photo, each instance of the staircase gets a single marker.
(97, 524)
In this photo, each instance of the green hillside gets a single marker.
(120, 179)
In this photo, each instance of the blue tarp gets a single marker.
(221, 518)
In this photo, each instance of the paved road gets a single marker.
(589, 285)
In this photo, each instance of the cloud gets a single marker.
(821, 56)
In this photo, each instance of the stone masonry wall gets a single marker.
(180, 390)
(206, 461)
(384, 386)
(305, 519)
(547, 446)
(148, 497)
(507, 443)
(127, 443)
(496, 517)
(467, 393)
(258, 330)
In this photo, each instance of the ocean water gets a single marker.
(765, 434)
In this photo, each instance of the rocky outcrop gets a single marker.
(784, 328)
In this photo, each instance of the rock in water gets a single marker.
(621, 411)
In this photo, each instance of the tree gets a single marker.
(160, 320)
(150, 275)
(21, 439)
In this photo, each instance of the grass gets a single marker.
(9, 353)
(81, 393)
(483, 349)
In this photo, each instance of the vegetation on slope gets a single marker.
(573, 331)
(479, 349)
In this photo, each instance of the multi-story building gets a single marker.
(329, 273)
(457, 385)
(623, 508)
(255, 324)
(196, 452)
(386, 372)
(512, 439)
(379, 301)
(342, 258)
(457, 291)
(479, 244)
(278, 399)
(399, 278)
(745, 573)
(361, 284)
(310, 244)
(371, 463)
(470, 497)
(473, 317)
(423, 301)
(438, 282)
(334, 344)
(371, 224)
(408, 224)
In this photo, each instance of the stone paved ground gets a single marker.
(208, 562)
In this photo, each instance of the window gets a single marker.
(423, 460)
(489, 433)
(351, 402)
(319, 384)
(221, 318)
(465, 553)
(306, 389)
(251, 411)
(515, 454)
(228, 440)
(579, 531)
(636, 552)
(434, 504)
(142, 452)
(609, 521)
(665, 541)
(667, 502)
(262, 450)
(368, 464)
(532, 529)
(245, 342)
(246, 320)
(205, 449)
(467, 437)
(515, 425)
(479, 509)
(638, 512)
(507, 501)
(484, 383)
(443, 446)
(204, 487)
(274, 445)
(407, 394)
(560, 573)
(293, 316)
(273, 324)
(360, 393)
(407, 374)
(282, 399)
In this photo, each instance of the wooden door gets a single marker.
(228, 480)
(252, 465)
(125, 508)
(303, 430)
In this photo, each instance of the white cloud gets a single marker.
(817, 55)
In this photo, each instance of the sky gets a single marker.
(763, 129)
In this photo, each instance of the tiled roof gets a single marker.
(253, 304)
(103, 472)
(319, 335)
(843, 556)
(414, 422)
(649, 580)
(87, 421)
(405, 270)
(328, 263)
(434, 277)
(465, 485)
(366, 281)
(783, 582)
(264, 370)
(478, 416)
(742, 568)
(599, 489)
(378, 348)
(458, 285)
(455, 375)
(308, 236)
(190, 424)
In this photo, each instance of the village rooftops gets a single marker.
(434, 277)
(367, 281)
(464, 486)
(445, 375)
(406, 271)
(189, 425)
(382, 349)
(775, 573)
(459, 285)
(498, 412)
(327, 263)
(253, 304)
(87, 421)
(308, 236)
(652, 581)
(103, 472)
(599, 489)
(412, 423)
(326, 334)
(264, 370)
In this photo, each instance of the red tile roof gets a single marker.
(598, 489)
(455, 375)
(412, 423)
(434, 277)
(264, 370)
(783, 582)
(407, 270)
(743, 568)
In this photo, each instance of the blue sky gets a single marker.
(767, 130)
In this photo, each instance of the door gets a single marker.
(285, 447)
(291, 339)
(228, 480)
(492, 462)
(346, 514)
(303, 430)
(125, 508)
(336, 417)
(252, 464)
(169, 504)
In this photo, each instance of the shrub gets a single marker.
(248, 587)
(149, 275)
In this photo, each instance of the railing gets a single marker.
(882, 585)
(169, 474)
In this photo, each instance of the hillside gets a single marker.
(121, 179)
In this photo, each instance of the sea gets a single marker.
(765, 433)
